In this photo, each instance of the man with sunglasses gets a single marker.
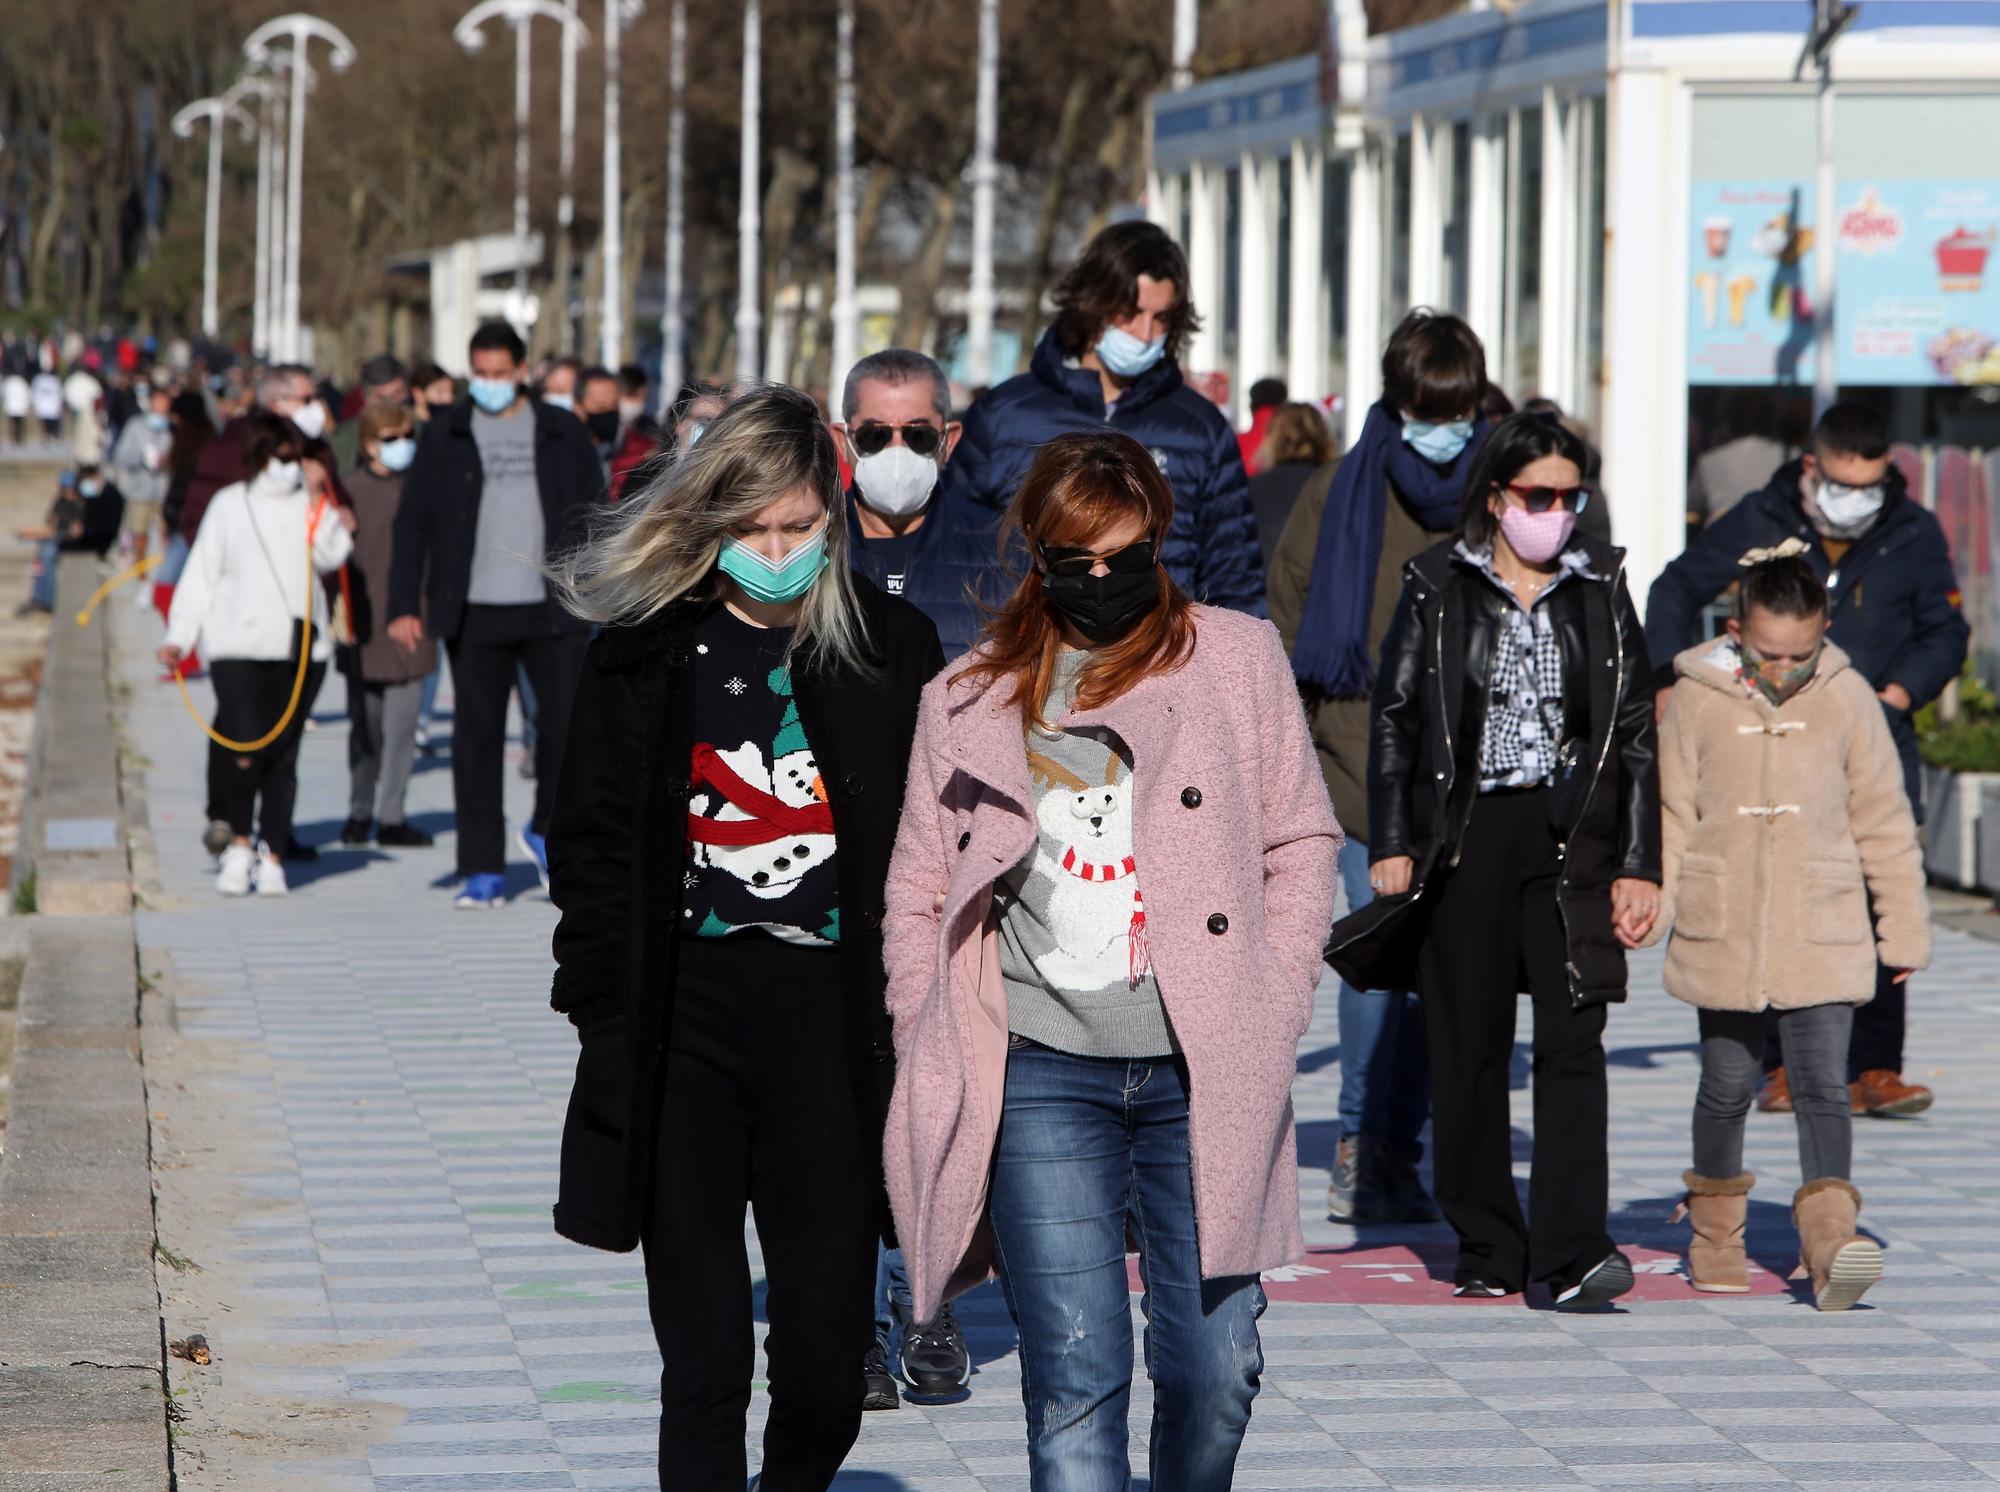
(1887, 567)
(1112, 360)
(911, 536)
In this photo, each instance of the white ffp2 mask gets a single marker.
(895, 481)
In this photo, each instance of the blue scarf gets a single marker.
(1333, 649)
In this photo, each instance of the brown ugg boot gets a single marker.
(1841, 1264)
(1718, 1208)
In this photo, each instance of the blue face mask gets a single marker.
(774, 580)
(397, 454)
(90, 488)
(156, 421)
(1125, 356)
(1438, 444)
(493, 394)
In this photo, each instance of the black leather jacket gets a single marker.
(1430, 715)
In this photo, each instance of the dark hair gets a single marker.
(1434, 367)
(192, 433)
(595, 373)
(426, 374)
(1517, 442)
(1268, 392)
(1103, 286)
(498, 336)
(1850, 429)
(633, 377)
(1785, 586)
(1496, 406)
(265, 435)
(895, 366)
(380, 370)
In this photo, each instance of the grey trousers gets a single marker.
(381, 747)
(1732, 1045)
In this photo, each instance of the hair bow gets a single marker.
(1786, 550)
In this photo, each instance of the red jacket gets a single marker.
(640, 440)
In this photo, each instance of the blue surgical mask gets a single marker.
(1125, 356)
(774, 580)
(156, 421)
(90, 488)
(493, 394)
(397, 454)
(1438, 444)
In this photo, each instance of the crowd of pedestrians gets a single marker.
(948, 849)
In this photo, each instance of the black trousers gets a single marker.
(757, 1111)
(1495, 931)
(492, 643)
(257, 791)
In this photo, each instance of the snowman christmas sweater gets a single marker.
(1073, 946)
(760, 831)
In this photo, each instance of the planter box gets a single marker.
(1962, 828)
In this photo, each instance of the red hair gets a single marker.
(1079, 486)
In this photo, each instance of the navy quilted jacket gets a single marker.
(1211, 550)
(952, 562)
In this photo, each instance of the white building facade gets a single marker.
(1619, 198)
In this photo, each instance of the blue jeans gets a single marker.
(892, 1296)
(1385, 1080)
(428, 704)
(43, 592)
(1088, 1148)
(175, 561)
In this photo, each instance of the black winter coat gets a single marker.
(1429, 718)
(1895, 601)
(439, 515)
(617, 850)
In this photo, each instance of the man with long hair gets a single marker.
(1111, 359)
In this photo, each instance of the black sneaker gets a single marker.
(403, 837)
(1404, 1199)
(355, 832)
(1480, 1287)
(299, 853)
(936, 1362)
(878, 1384)
(1606, 1280)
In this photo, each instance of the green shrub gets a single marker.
(1970, 740)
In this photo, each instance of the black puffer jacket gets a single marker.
(617, 851)
(1430, 715)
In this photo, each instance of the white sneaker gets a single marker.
(239, 864)
(270, 874)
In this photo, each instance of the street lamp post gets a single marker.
(1830, 18)
(303, 31)
(277, 64)
(673, 331)
(846, 318)
(979, 298)
(611, 318)
(219, 112)
(566, 170)
(519, 14)
(749, 257)
(1187, 31)
(251, 85)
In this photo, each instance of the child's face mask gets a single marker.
(1776, 682)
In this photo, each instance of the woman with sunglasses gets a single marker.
(1105, 914)
(1514, 796)
(718, 849)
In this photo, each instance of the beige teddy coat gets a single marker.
(1779, 824)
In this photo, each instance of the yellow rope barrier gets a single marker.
(130, 572)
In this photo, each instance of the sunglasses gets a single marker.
(1133, 559)
(1541, 499)
(872, 439)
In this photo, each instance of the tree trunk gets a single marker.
(918, 291)
(792, 177)
(1054, 190)
(867, 218)
(45, 230)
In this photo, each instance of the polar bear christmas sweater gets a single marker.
(1073, 945)
(760, 831)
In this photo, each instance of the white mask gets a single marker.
(284, 476)
(1847, 509)
(895, 481)
(630, 410)
(559, 401)
(310, 419)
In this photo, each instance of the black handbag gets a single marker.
(1376, 946)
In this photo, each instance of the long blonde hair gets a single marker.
(661, 543)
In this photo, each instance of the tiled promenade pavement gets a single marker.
(357, 1135)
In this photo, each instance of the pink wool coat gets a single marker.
(1236, 842)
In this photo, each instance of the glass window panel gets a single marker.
(1396, 263)
(1457, 208)
(1526, 267)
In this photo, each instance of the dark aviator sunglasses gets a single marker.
(872, 438)
(1133, 559)
(1541, 499)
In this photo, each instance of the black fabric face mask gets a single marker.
(603, 426)
(1103, 607)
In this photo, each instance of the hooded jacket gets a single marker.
(1779, 824)
(1894, 609)
(1211, 551)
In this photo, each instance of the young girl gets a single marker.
(1792, 866)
